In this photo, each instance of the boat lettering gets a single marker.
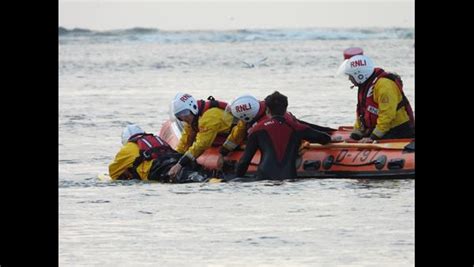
(362, 155)
(340, 157)
(365, 154)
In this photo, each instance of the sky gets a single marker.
(231, 14)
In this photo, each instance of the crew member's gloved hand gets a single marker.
(356, 135)
(367, 140)
(174, 171)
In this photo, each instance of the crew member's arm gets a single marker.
(307, 133)
(314, 136)
(313, 126)
(235, 137)
(208, 129)
(387, 95)
(358, 125)
(184, 141)
(250, 150)
(357, 133)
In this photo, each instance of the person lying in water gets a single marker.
(145, 156)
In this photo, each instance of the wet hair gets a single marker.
(277, 103)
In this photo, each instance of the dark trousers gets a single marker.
(401, 131)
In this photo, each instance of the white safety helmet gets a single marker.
(244, 107)
(359, 67)
(129, 131)
(182, 102)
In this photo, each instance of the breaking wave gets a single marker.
(244, 35)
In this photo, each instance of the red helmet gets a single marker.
(352, 51)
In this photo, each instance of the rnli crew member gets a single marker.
(205, 124)
(278, 138)
(249, 111)
(383, 110)
(146, 156)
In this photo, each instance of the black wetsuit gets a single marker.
(278, 139)
(188, 174)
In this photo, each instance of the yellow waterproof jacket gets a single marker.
(212, 122)
(387, 96)
(124, 160)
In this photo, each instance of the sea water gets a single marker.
(108, 79)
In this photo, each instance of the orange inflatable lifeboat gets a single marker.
(390, 159)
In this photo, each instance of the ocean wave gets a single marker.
(138, 34)
(86, 32)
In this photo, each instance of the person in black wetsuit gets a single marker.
(248, 110)
(278, 138)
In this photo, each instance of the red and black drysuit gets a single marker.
(278, 139)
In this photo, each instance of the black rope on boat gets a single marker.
(379, 163)
(361, 164)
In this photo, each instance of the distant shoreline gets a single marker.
(140, 34)
(147, 30)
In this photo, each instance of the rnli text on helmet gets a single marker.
(358, 63)
(244, 107)
(184, 97)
